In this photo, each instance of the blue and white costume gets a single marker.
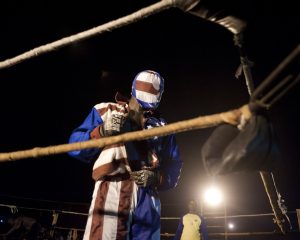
(120, 209)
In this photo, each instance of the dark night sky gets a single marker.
(43, 99)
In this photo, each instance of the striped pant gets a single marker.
(120, 210)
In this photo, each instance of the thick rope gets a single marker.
(181, 126)
(275, 73)
(107, 27)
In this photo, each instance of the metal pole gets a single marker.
(266, 177)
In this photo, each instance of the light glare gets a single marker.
(230, 225)
(213, 196)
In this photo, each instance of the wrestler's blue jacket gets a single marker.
(165, 147)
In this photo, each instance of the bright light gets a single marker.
(230, 226)
(213, 196)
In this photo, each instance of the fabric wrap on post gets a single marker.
(214, 11)
(230, 150)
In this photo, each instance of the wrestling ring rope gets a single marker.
(181, 126)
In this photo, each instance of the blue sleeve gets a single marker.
(179, 230)
(203, 229)
(82, 133)
(171, 163)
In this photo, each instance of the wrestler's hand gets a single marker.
(146, 178)
(113, 125)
